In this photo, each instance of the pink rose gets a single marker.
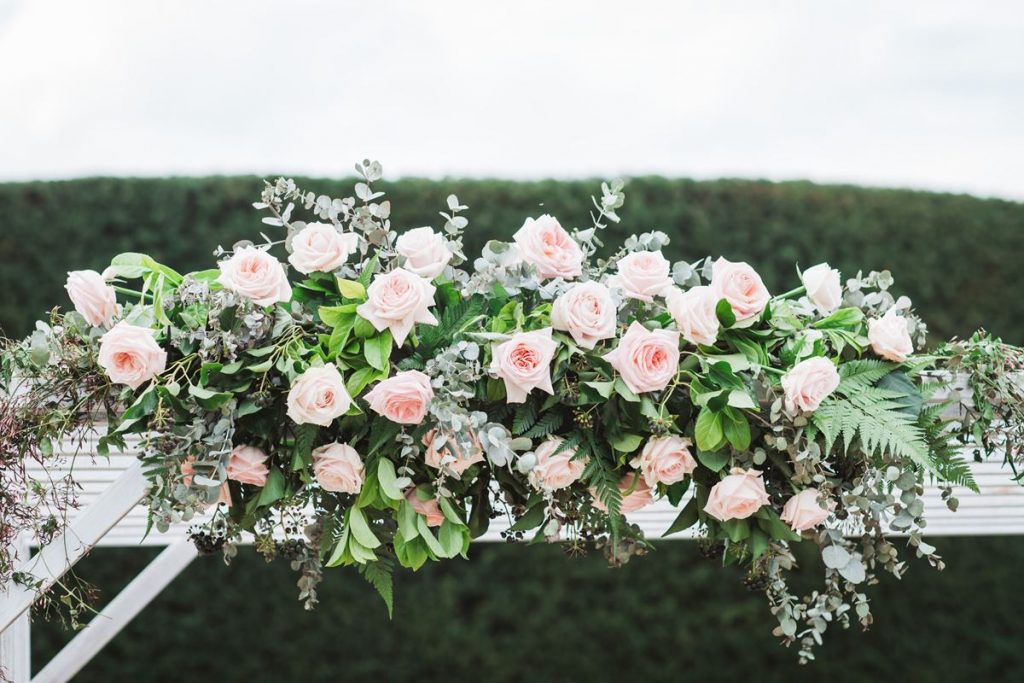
(92, 296)
(429, 508)
(248, 465)
(188, 470)
(546, 245)
(642, 275)
(554, 471)
(426, 252)
(809, 383)
(636, 494)
(890, 337)
(403, 398)
(587, 312)
(319, 247)
(737, 496)
(694, 313)
(741, 286)
(338, 468)
(452, 457)
(225, 495)
(255, 274)
(665, 460)
(823, 287)
(398, 300)
(130, 355)
(803, 511)
(647, 360)
(318, 396)
(524, 362)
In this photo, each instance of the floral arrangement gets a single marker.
(374, 400)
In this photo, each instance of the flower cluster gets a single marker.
(368, 401)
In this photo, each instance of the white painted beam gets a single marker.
(121, 610)
(16, 641)
(57, 557)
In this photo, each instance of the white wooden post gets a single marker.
(16, 641)
(58, 556)
(121, 610)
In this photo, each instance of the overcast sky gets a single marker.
(911, 94)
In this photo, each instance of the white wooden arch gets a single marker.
(110, 516)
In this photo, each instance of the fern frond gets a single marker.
(601, 476)
(454, 320)
(547, 424)
(857, 375)
(526, 416)
(379, 575)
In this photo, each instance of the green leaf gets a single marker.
(350, 289)
(336, 315)
(770, 523)
(531, 519)
(428, 537)
(604, 389)
(377, 350)
(713, 460)
(844, 318)
(708, 430)
(626, 443)
(379, 575)
(361, 530)
(725, 315)
(305, 436)
(407, 526)
(273, 490)
(625, 392)
(386, 477)
(359, 379)
(687, 518)
(737, 429)
(736, 529)
(450, 513)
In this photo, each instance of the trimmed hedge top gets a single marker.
(956, 256)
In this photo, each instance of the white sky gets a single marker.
(915, 94)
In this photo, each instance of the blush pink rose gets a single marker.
(809, 383)
(554, 471)
(549, 248)
(642, 275)
(890, 337)
(338, 467)
(92, 297)
(426, 252)
(586, 312)
(453, 458)
(824, 288)
(429, 508)
(188, 470)
(694, 313)
(636, 494)
(319, 247)
(524, 362)
(318, 396)
(665, 460)
(741, 286)
(130, 355)
(803, 511)
(739, 495)
(647, 360)
(248, 465)
(396, 301)
(403, 398)
(255, 274)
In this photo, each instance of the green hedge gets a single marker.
(528, 613)
(957, 256)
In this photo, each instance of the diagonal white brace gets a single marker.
(58, 556)
(121, 610)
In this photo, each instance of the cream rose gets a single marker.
(396, 301)
(737, 496)
(694, 313)
(823, 287)
(890, 337)
(429, 508)
(426, 252)
(647, 360)
(130, 355)
(554, 471)
(319, 247)
(642, 275)
(318, 396)
(248, 465)
(547, 246)
(586, 312)
(636, 494)
(741, 286)
(450, 455)
(524, 363)
(338, 468)
(803, 511)
(403, 398)
(665, 460)
(809, 383)
(92, 297)
(255, 274)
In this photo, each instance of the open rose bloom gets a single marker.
(425, 252)
(556, 467)
(741, 286)
(254, 274)
(338, 468)
(403, 398)
(92, 297)
(545, 244)
(890, 337)
(524, 363)
(130, 355)
(642, 275)
(248, 465)
(738, 496)
(319, 247)
(398, 300)
(318, 397)
(587, 312)
(647, 360)
(809, 383)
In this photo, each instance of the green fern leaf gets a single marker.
(526, 416)
(379, 575)
(547, 424)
